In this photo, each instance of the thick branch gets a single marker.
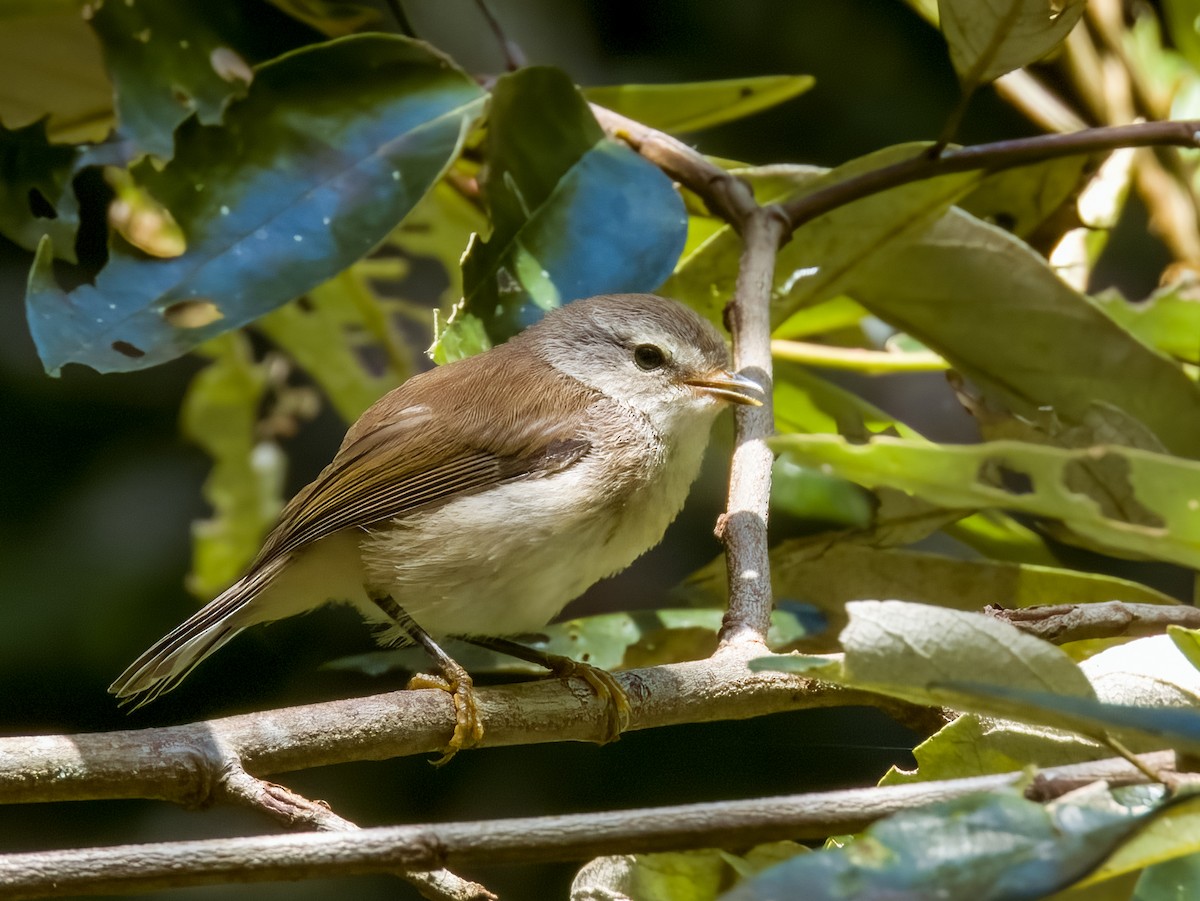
(989, 157)
(525, 840)
(188, 764)
(1061, 623)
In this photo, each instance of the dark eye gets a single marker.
(648, 357)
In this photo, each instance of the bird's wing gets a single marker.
(400, 457)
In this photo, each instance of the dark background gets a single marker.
(99, 490)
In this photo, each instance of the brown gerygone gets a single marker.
(477, 499)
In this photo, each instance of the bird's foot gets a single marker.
(606, 686)
(468, 730)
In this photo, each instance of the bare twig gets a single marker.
(989, 157)
(525, 840)
(726, 195)
(293, 810)
(514, 57)
(1061, 623)
(743, 527)
(187, 763)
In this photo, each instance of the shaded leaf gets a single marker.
(1171, 880)
(988, 38)
(1004, 848)
(699, 104)
(334, 18)
(1171, 835)
(1036, 480)
(341, 335)
(170, 60)
(306, 174)
(573, 213)
(245, 487)
(610, 641)
(37, 200)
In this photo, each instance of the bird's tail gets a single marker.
(165, 664)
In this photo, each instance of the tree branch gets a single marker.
(1061, 623)
(524, 840)
(743, 527)
(991, 157)
(188, 764)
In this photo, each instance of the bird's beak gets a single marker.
(729, 386)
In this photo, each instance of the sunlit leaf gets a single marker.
(1161, 493)
(699, 104)
(1019, 200)
(990, 37)
(1168, 320)
(305, 175)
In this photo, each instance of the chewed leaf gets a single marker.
(1144, 503)
(305, 175)
(37, 201)
(573, 213)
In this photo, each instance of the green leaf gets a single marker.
(1176, 727)
(1188, 643)
(342, 336)
(51, 68)
(245, 486)
(334, 18)
(988, 38)
(610, 641)
(1183, 24)
(305, 175)
(1171, 880)
(1171, 835)
(169, 61)
(1150, 503)
(37, 200)
(817, 263)
(1019, 200)
(699, 104)
(1168, 320)
(1004, 848)
(963, 279)
(573, 213)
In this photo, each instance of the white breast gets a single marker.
(507, 560)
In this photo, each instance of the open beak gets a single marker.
(729, 386)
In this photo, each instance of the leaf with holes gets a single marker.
(37, 200)
(305, 175)
(1140, 502)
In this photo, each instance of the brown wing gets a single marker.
(496, 422)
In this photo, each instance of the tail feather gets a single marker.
(169, 660)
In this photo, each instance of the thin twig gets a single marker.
(526, 840)
(988, 157)
(514, 57)
(1061, 623)
(401, 17)
(293, 810)
(743, 527)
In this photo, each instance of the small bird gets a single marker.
(477, 499)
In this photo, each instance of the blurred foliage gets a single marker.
(186, 173)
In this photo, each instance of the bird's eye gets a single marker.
(649, 357)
